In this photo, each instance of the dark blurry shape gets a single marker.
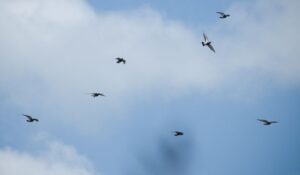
(207, 43)
(167, 156)
(223, 15)
(266, 122)
(96, 94)
(178, 133)
(30, 118)
(120, 60)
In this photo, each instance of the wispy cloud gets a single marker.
(54, 52)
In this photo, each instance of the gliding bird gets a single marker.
(120, 60)
(30, 118)
(223, 15)
(178, 133)
(266, 122)
(207, 43)
(96, 94)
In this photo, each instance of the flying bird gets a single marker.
(207, 43)
(96, 94)
(120, 60)
(223, 15)
(266, 122)
(178, 133)
(30, 118)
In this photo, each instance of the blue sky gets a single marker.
(55, 52)
(190, 12)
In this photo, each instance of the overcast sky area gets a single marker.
(54, 52)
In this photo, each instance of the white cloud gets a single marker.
(53, 52)
(265, 39)
(56, 159)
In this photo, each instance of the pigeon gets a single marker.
(266, 122)
(178, 133)
(207, 43)
(96, 94)
(30, 119)
(223, 15)
(120, 60)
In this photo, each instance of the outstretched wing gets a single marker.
(93, 94)
(177, 133)
(28, 116)
(273, 121)
(262, 120)
(211, 47)
(221, 13)
(205, 37)
(119, 59)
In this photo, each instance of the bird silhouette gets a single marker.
(30, 118)
(178, 133)
(120, 60)
(96, 94)
(223, 15)
(207, 43)
(266, 122)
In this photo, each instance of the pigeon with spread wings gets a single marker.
(96, 94)
(120, 60)
(266, 122)
(223, 15)
(207, 43)
(178, 133)
(30, 118)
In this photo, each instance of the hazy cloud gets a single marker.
(57, 158)
(54, 52)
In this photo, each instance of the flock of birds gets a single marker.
(119, 60)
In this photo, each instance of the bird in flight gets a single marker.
(223, 15)
(266, 122)
(96, 94)
(120, 60)
(207, 43)
(178, 133)
(30, 118)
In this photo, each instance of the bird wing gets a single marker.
(211, 47)
(273, 121)
(28, 116)
(262, 120)
(205, 37)
(221, 13)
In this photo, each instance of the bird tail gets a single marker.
(203, 44)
